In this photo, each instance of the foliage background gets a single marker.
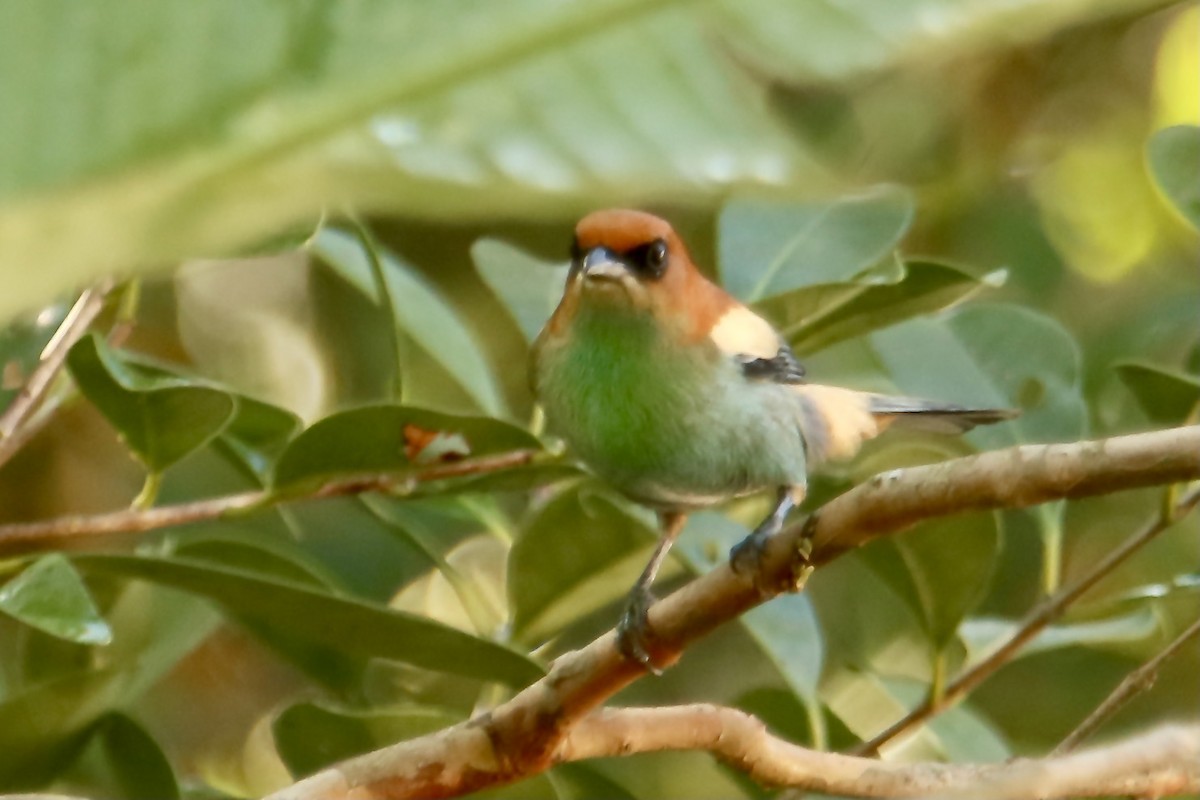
(383, 190)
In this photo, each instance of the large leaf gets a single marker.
(388, 438)
(577, 554)
(307, 613)
(1167, 396)
(771, 248)
(1123, 633)
(123, 758)
(179, 128)
(50, 596)
(417, 308)
(942, 570)
(814, 42)
(999, 356)
(44, 728)
(815, 317)
(160, 419)
(1174, 155)
(529, 287)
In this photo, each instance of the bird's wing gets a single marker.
(756, 346)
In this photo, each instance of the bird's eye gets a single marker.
(656, 255)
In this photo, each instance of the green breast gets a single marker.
(668, 425)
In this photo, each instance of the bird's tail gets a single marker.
(837, 421)
(927, 415)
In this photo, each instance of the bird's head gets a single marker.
(626, 258)
(630, 259)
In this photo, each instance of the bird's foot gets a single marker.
(633, 631)
(746, 557)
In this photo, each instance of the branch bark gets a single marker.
(545, 722)
(29, 535)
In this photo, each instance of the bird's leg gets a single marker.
(634, 628)
(746, 555)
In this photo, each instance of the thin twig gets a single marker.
(34, 534)
(53, 355)
(1140, 680)
(1037, 620)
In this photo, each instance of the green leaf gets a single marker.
(44, 728)
(766, 249)
(578, 553)
(310, 736)
(1168, 396)
(867, 703)
(997, 356)
(21, 344)
(810, 44)
(374, 439)
(125, 760)
(579, 781)
(311, 614)
(160, 419)
(529, 287)
(1174, 155)
(941, 569)
(258, 432)
(983, 635)
(815, 317)
(417, 308)
(49, 595)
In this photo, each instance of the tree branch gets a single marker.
(1161, 762)
(29, 535)
(526, 735)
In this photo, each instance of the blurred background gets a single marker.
(315, 207)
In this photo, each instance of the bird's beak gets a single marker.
(602, 263)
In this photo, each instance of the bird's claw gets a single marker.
(745, 557)
(633, 631)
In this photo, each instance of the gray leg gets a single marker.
(746, 554)
(634, 628)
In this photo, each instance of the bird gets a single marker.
(680, 397)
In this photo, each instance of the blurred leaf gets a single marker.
(306, 613)
(310, 736)
(997, 356)
(376, 438)
(941, 569)
(417, 308)
(812, 43)
(323, 101)
(123, 760)
(766, 249)
(579, 781)
(50, 596)
(529, 287)
(1174, 155)
(160, 419)
(815, 317)
(1167, 396)
(867, 703)
(982, 635)
(43, 728)
(578, 553)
